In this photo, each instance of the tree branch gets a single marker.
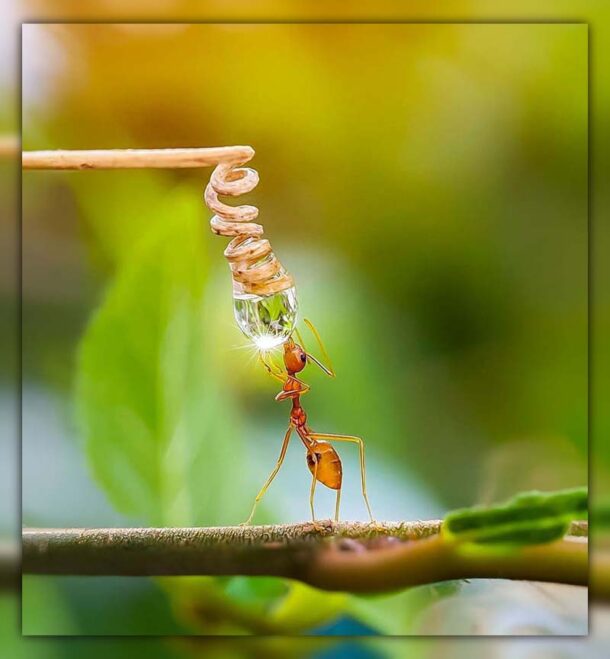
(9, 565)
(356, 557)
(135, 158)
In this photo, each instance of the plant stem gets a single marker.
(435, 559)
(600, 572)
(355, 557)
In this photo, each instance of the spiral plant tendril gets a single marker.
(264, 297)
(255, 268)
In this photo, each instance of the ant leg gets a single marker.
(269, 368)
(278, 367)
(337, 505)
(316, 525)
(354, 440)
(313, 490)
(273, 474)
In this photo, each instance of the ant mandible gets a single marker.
(322, 459)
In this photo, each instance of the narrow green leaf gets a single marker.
(528, 518)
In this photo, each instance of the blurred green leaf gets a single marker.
(601, 515)
(160, 432)
(305, 607)
(528, 518)
(48, 613)
(133, 203)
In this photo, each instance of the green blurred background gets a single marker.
(426, 185)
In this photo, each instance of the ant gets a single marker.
(322, 459)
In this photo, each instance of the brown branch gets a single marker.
(357, 557)
(434, 559)
(274, 550)
(600, 565)
(9, 565)
(135, 158)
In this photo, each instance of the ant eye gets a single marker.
(303, 357)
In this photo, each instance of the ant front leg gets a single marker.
(273, 474)
(354, 440)
(273, 372)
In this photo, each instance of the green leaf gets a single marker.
(46, 612)
(528, 518)
(133, 202)
(601, 515)
(160, 427)
(305, 607)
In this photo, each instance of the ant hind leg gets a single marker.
(317, 526)
(354, 440)
(337, 504)
(312, 492)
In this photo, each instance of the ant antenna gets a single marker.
(327, 369)
(300, 337)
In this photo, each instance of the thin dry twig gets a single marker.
(135, 158)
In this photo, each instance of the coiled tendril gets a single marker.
(254, 266)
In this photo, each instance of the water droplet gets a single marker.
(269, 319)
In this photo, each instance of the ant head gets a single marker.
(295, 358)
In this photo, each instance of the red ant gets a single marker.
(322, 459)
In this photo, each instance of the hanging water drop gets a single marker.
(268, 320)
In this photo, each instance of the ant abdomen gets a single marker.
(326, 465)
